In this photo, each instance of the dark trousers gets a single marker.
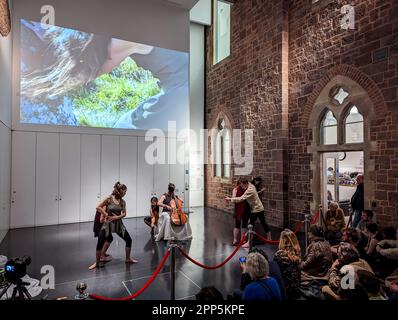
(102, 238)
(261, 217)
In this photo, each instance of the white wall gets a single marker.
(197, 107)
(5, 132)
(201, 12)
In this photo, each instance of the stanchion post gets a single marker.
(250, 236)
(306, 229)
(173, 246)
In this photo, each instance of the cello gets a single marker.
(177, 216)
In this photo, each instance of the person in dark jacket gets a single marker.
(357, 201)
(274, 272)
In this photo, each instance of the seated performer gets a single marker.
(166, 229)
(152, 220)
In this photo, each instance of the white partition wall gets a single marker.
(145, 176)
(5, 166)
(47, 179)
(90, 176)
(69, 178)
(128, 172)
(23, 189)
(162, 171)
(61, 178)
(109, 164)
(177, 174)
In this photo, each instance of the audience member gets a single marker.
(318, 259)
(209, 294)
(288, 258)
(387, 259)
(335, 223)
(274, 272)
(263, 286)
(347, 255)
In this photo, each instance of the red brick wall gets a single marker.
(317, 47)
(250, 85)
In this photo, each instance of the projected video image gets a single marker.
(74, 78)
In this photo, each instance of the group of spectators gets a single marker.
(356, 264)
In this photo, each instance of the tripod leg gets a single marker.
(4, 291)
(25, 291)
(14, 293)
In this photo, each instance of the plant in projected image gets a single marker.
(111, 95)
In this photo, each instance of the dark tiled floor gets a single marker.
(70, 249)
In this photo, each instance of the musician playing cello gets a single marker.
(170, 203)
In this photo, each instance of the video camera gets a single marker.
(15, 269)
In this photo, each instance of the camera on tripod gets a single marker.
(15, 269)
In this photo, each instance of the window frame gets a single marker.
(215, 40)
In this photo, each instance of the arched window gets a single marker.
(329, 129)
(222, 149)
(354, 126)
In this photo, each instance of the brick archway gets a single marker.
(366, 83)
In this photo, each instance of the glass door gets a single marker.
(330, 179)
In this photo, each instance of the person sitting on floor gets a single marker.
(263, 287)
(391, 284)
(288, 258)
(387, 260)
(318, 259)
(335, 223)
(372, 285)
(209, 294)
(374, 236)
(352, 237)
(152, 220)
(274, 272)
(348, 258)
(366, 217)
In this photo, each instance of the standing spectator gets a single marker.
(357, 201)
(288, 258)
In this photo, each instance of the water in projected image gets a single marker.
(73, 78)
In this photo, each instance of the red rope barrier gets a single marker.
(316, 217)
(265, 240)
(219, 265)
(160, 266)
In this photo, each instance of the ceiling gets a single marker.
(186, 4)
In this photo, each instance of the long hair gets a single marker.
(155, 208)
(117, 190)
(290, 245)
(70, 59)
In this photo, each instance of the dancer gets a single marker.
(152, 220)
(258, 183)
(166, 229)
(256, 206)
(241, 213)
(115, 212)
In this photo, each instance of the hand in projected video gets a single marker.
(119, 50)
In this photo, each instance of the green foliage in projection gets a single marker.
(107, 98)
